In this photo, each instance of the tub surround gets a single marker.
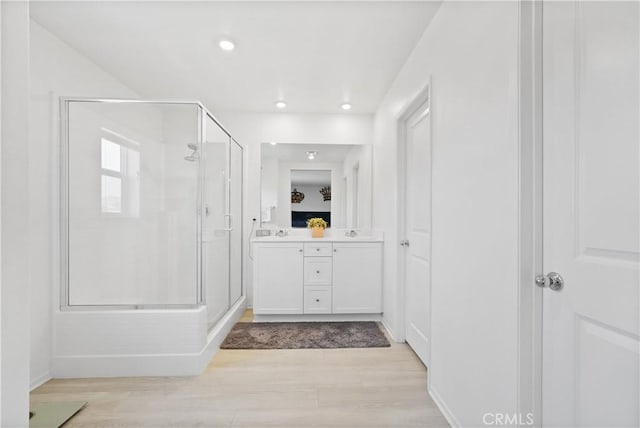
(168, 342)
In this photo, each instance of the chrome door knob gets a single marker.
(404, 243)
(553, 280)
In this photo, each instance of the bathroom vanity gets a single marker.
(300, 275)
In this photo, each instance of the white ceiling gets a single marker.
(315, 55)
(297, 152)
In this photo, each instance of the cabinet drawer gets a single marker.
(317, 270)
(321, 249)
(317, 300)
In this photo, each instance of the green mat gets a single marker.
(54, 415)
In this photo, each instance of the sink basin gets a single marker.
(355, 238)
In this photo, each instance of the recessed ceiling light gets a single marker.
(345, 106)
(281, 104)
(226, 45)
(273, 143)
(311, 155)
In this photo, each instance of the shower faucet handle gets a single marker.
(230, 228)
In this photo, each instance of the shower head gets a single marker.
(194, 154)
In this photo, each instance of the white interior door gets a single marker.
(417, 222)
(591, 214)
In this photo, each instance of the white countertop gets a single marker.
(304, 235)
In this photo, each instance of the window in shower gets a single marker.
(120, 176)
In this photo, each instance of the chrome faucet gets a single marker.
(281, 233)
(350, 233)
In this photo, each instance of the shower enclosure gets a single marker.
(151, 239)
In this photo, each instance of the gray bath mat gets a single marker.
(305, 335)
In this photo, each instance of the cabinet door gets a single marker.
(357, 278)
(277, 274)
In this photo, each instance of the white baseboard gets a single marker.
(176, 364)
(40, 380)
(317, 317)
(219, 332)
(444, 409)
(393, 336)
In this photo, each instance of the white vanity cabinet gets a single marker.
(317, 277)
(277, 279)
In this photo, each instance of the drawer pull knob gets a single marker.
(317, 300)
(317, 271)
(300, 250)
(317, 249)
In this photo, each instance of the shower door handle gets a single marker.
(230, 217)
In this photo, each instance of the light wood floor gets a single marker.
(374, 387)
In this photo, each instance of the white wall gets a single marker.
(470, 51)
(56, 70)
(269, 183)
(252, 129)
(15, 265)
(358, 161)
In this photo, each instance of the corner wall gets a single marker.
(56, 70)
(470, 53)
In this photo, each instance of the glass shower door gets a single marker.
(215, 219)
(236, 238)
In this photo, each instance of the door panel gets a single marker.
(357, 291)
(591, 214)
(418, 231)
(235, 234)
(278, 275)
(215, 245)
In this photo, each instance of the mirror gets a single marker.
(301, 181)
